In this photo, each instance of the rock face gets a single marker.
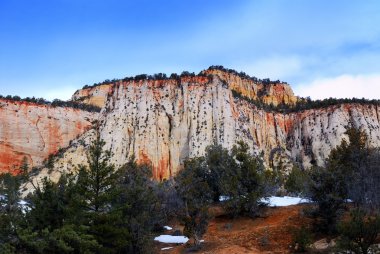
(163, 122)
(34, 131)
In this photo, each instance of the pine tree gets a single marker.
(345, 177)
(218, 162)
(10, 211)
(96, 187)
(47, 207)
(196, 194)
(95, 181)
(360, 232)
(245, 183)
(24, 165)
(138, 205)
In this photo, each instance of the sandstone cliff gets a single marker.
(163, 122)
(34, 131)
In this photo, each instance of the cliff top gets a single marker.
(264, 90)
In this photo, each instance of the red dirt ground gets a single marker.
(271, 233)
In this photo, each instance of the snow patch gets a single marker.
(168, 228)
(223, 198)
(167, 248)
(24, 206)
(171, 239)
(284, 201)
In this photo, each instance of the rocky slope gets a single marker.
(162, 122)
(34, 131)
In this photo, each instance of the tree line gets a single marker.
(304, 103)
(244, 75)
(54, 103)
(157, 76)
(175, 76)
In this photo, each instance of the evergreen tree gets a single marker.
(96, 187)
(137, 206)
(246, 183)
(343, 178)
(24, 165)
(196, 194)
(47, 207)
(297, 182)
(360, 232)
(330, 195)
(96, 180)
(219, 163)
(10, 211)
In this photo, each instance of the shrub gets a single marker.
(360, 232)
(297, 182)
(196, 195)
(302, 238)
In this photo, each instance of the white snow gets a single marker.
(284, 201)
(22, 204)
(167, 248)
(223, 198)
(168, 228)
(171, 239)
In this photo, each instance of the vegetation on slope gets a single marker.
(349, 180)
(175, 76)
(54, 103)
(106, 210)
(304, 103)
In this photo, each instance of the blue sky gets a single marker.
(322, 48)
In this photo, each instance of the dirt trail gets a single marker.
(270, 234)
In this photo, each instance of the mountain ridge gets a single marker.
(162, 121)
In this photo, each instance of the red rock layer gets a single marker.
(34, 131)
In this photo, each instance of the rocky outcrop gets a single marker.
(33, 131)
(274, 93)
(96, 96)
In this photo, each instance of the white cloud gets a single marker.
(344, 86)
